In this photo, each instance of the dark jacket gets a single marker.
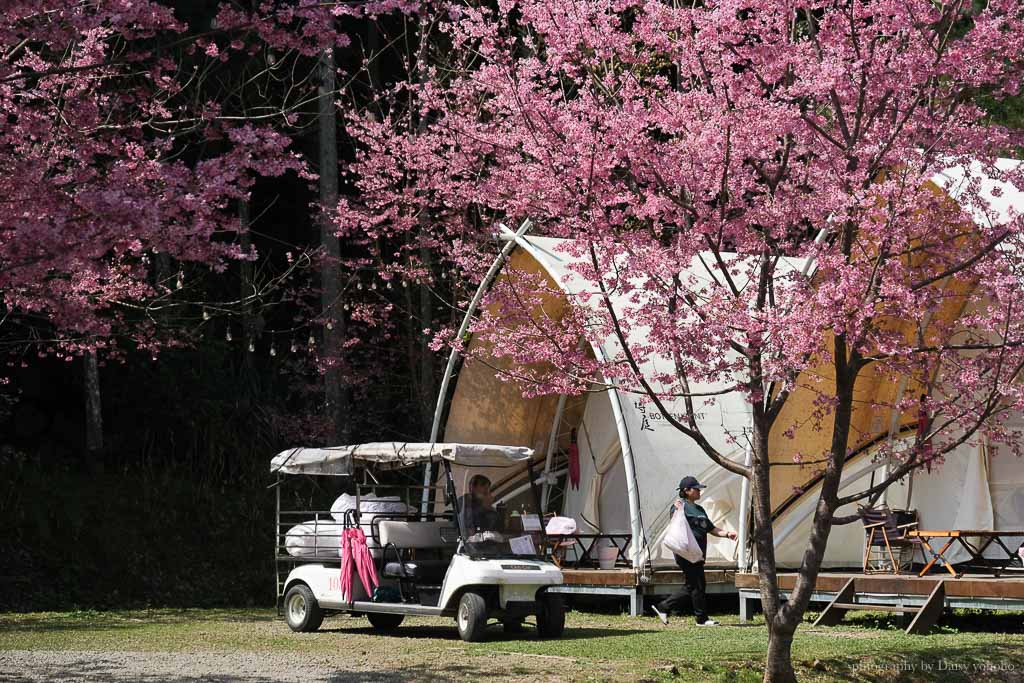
(475, 517)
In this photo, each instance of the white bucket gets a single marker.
(606, 557)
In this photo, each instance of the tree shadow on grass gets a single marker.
(959, 621)
(493, 633)
(969, 664)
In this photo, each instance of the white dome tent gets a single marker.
(631, 459)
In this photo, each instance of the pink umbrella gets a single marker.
(355, 555)
(363, 561)
(346, 566)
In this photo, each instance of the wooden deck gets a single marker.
(967, 587)
(624, 582)
(629, 577)
(971, 591)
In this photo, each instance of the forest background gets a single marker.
(136, 473)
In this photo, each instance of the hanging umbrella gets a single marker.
(574, 462)
(346, 566)
(363, 561)
(356, 559)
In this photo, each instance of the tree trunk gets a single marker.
(93, 404)
(248, 324)
(335, 394)
(783, 623)
(427, 386)
(778, 666)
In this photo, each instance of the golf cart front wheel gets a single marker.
(301, 610)
(550, 615)
(384, 622)
(472, 617)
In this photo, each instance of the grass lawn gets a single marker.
(967, 647)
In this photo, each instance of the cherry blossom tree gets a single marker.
(132, 135)
(101, 171)
(742, 137)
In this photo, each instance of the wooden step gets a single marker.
(925, 616)
(874, 608)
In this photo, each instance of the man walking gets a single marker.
(694, 583)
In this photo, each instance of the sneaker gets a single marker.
(661, 615)
(709, 622)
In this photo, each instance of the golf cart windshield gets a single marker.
(498, 528)
(514, 534)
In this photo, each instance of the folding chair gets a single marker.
(887, 548)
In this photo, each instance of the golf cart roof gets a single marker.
(341, 460)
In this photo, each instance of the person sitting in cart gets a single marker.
(476, 507)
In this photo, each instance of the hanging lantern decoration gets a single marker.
(227, 335)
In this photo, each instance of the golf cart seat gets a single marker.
(427, 571)
(400, 537)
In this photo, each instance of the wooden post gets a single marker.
(930, 612)
(335, 394)
(93, 404)
(832, 615)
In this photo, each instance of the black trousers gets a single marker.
(694, 590)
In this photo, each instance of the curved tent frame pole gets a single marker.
(636, 528)
(744, 530)
(442, 393)
(639, 545)
(556, 423)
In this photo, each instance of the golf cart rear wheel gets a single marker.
(301, 610)
(384, 622)
(472, 617)
(550, 616)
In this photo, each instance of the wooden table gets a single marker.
(585, 543)
(960, 536)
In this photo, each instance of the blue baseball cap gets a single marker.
(690, 483)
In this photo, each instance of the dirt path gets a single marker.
(42, 666)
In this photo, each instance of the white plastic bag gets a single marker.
(561, 526)
(680, 540)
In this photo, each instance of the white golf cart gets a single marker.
(428, 564)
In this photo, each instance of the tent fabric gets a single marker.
(661, 455)
(1006, 484)
(954, 496)
(655, 455)
(1003, 202)
(592, 508)
(338, 461)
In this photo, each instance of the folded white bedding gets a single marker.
(369, 507)
(315, 537)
